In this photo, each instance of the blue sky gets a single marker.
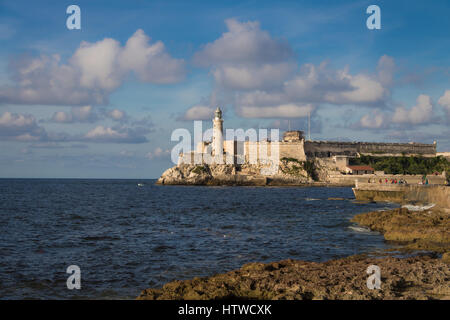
(102, 102)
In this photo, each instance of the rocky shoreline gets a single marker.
(416, 230)
(421, 276)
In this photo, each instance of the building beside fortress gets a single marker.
(293, 145)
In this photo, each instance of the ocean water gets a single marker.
(126, 237)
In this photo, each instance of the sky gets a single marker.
(102, 101)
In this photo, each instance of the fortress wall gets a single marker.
(398, 148)
(330, 148)
(258, 150)
(292, 150)
(286, 150)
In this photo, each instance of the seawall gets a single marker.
(421, 194)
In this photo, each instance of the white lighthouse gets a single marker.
(217, 140)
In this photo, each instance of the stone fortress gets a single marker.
(249, 161)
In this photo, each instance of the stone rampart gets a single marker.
(331, 148)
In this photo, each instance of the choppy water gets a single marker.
(126, 238)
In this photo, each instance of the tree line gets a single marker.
(404, 164)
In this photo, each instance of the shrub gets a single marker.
(199, 169)
(311, 170)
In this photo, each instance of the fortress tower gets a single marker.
(217, 140)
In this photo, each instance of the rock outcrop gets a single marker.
(418, 230)
(290, 172)
(419, 277)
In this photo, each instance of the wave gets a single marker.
(360, 229)
(412, 207)
(100, 238)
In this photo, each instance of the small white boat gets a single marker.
(140, 184)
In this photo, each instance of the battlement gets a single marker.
(291, 136)
(331, 148)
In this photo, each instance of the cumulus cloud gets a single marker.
(92, 73)
(87, 114)
(246, 57)
(445, 102)
(198, 112)
(243, 43)
(385, 68)
(20, 127)
(115, 135)
(23, 127)
(321, 84)
(76, 114)
(420, 113)
(375, 120)
(151, 63)
(252, 76)
(117, 115)
(262, 76)
(158, 153)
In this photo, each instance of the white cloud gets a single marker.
(246, 57)
(244, 43)
(21, 127)
(62, 117)
(158, 153)
(375, 120)
(323, 85)
(97, 63)
(114, 135)
(252, 76)
(420, 113)
(445, 102)
(150, 62)
(260, 74)
(77, 114)
(92, 73)
(365, 90)
(281, 111)
(198, 112)
(385, 68)
(117, 114)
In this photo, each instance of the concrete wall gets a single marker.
(437, 194)
(351, 180)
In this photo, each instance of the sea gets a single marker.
(129, 235)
